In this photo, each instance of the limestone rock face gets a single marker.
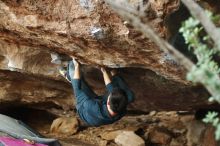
(96, 36)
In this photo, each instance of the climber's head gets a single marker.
(117, 100)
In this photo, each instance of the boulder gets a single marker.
(65, 126)
(159, 137)
(94, 34)
(129, 138)
(111, 135)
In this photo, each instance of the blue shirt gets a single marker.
(94, 111)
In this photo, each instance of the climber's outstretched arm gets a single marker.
(76, 74)
(106, 77)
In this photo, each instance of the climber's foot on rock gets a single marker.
(63, 72)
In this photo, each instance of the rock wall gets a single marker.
(22, 89)
(96, 36)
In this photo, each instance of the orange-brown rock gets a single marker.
(96, 36)
(65, 125)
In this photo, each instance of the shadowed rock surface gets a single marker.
(96, 36)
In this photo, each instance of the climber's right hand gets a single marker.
(76, 63)
(103, 70)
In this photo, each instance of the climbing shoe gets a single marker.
(63, 72)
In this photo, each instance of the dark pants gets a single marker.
(84, 86)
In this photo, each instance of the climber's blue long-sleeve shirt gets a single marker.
(94, 111)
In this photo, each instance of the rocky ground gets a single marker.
(152, 129)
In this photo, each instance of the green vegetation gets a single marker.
(212, 118)
(206, 71)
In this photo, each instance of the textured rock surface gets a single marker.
(30, 30)
(64, 125)
(23, 89)
(160, 137)
(182, 129)
(66, 27)
(129, 138)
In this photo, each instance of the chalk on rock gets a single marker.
(55, 58)
(98, 33)
(87, 4)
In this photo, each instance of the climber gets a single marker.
(97, 110)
